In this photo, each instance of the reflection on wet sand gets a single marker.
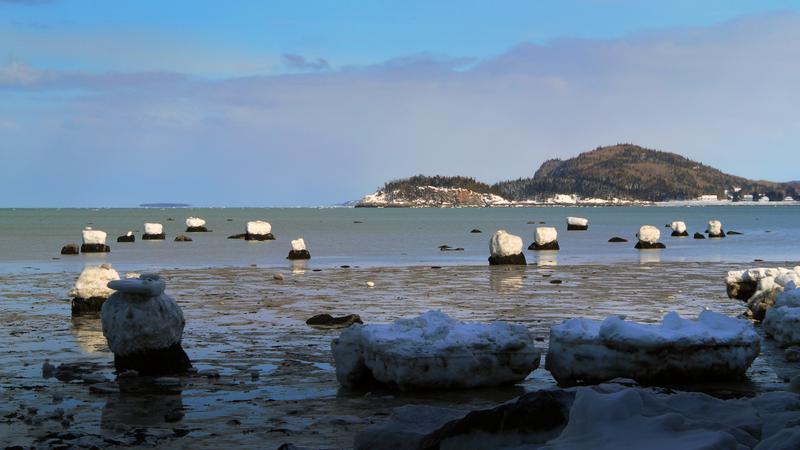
(545, 258)
(649, 256)
(142, 403)
(506, 279)
(88, 333)
(298, 266)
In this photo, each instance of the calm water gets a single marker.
(30, 239)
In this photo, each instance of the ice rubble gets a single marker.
(782, 321)
(434, 351)
(759, 287)
(713, 346)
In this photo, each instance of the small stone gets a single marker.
(278, 276)
(370, 284)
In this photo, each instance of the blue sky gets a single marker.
(305, 103)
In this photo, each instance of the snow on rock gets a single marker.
(91, 236)
(715, 229)
(195, 222)
(143, 327)
(679, 228)
(577, 223)
(545, 235)
(298, 244)
(93, 281)
(649, 234)
(153, 228)
(760, 287)
(782, 321)
(713, 346)
(434, 351)
(299, 250)
(259, 227)
(504, 243)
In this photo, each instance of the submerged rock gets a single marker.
(143, 327)
(153, 232)
(711, 348)
(91, 288)
(298, 250)
(326, 321)
(196, 225)
(434, 351)
(127, 237)
(94, 241)
(506, 248)
(648, 238)
(545, 238)
(475, 230)
(577, 224)
(699, 236)
(70, 249)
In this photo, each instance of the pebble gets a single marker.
(370, 284)
(278, 276)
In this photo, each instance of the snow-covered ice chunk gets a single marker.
(259, 227)
(153, 228)
(298, 244)
(648, 234)
(434, 351)
(194, 222)
(782, 321)
(545, 235)
(504, 243)
(713, 346)
(93, 282)
(91, 236)
(760, 287)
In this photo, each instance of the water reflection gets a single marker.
(141, 403)
(299, 266)
(545, 258)
(649, 256)
(88, 333)
(506, 279)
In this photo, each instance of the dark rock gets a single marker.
(154, 237)
(733, 233)
(182, 238)
(556, 281)
(699, 236)
(229, 220)
(162, 361)
(641, 245)
(197, 230)
(327, 321)
(357, 221)
(259, 237)
(87, 305)
(475, 230)
(299, 254)
(680, 234)
(548, 246)
(170, 219)
(518, 259)
(617, 239)
(70, 249)
(571, 227)
(126, 238)
(717, 236)
(237, 236)
(95, 248)
(447, 248)
(742, 290)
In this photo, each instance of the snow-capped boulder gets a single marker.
(545, 238)
(91, 290)
(434, 351)
(127, 237)
(94, 241)
(258, 230)
(153, 232)
(577, 223)
(143, 327)
(714, 346)
(648, 237)
(70, 249)
(298, 250)
(505, 248)
(760, 287)
(715, 229)
(782, 321)
(195, 225)
(679, 229)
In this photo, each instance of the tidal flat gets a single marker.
(263, 377)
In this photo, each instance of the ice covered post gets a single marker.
(545, 238)
(715, 229)
(94, 241)
(258, 230)
(196, 225)
(648, 238)
(91, 288)
(577, 224)
(298, 250)
(153, 232)
(679, 229)
(505, 248)
(143, 327)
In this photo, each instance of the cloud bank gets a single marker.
(725, 95)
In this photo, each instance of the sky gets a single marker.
(305, 103)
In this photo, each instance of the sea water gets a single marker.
(31, 239)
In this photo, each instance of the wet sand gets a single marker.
(276, 382)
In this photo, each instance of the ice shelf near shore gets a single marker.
(782, 321)
(434, 351)
(759, 287)
(713, 347)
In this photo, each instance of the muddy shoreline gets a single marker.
(265, 378)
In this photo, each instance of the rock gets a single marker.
(94, 241)
(370, 284)
(577, 224)
(278, 276)
(545, 238)
(617, 239)
(326, 321)
(714, 347)
(715, 229)
(182, 238)
(258, 230)
(127, 237)
(70, 249)
(506, 248)
(238, 236)
(143, 327)
(196, 225)
(90, 290)
(299, 250)
(406, 428)
(648, 238)
(475, 230)
(733, 233)
(434, 351)
(699, 236)
(153, 232)
(679, 229)
(782, 321)
(760, 287)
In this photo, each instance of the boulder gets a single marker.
(715, 229)
(127, 237)
(433, 351)
(545, 238)
(475, 230)
(144, 327)
(679, 229)
(94, 241)
(70, 249)
(617, 239)
(713, 347)
(505, 248)
(577, 224)
(699, 236)
(90, 290)
(196, 225)
(153, 232)
(326, 321)
(182, 238)
(648, 238)
(298, 250)
(258, 230)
